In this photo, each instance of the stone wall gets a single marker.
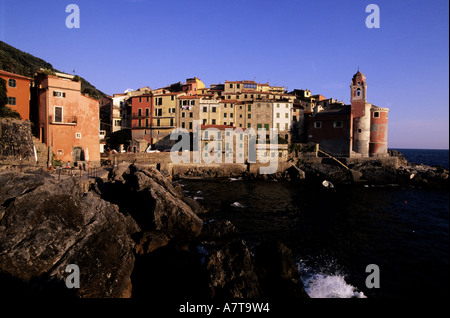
(16, 142)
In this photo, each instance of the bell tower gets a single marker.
(358, 88)
(360, 114)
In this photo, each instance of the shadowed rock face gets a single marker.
(134, 236)
(48, 225)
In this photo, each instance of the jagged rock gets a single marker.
(148, 242)
(168, 212)
(230, 271)
(116, 173)
(295, 173)
(277, 272)
(218, 231)
(194, 205)
(48, 225)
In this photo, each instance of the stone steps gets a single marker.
(41, 151)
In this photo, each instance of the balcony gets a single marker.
(137, 115)
(65, 120)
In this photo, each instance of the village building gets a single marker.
(68, 121)
(18, 93)
(356, 130)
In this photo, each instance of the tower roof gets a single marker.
(358, 75)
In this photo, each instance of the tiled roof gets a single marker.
(2, 72)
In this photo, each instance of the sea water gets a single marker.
(334, 234)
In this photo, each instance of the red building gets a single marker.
(141, 120)
(18, 92)
(356, 130)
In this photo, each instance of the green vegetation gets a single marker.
(5, 111)
(18, 62)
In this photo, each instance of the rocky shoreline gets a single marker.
(368, 173)
(135, 235)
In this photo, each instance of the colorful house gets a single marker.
(68, 121)
(18, 92)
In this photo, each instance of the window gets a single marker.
(278, 115)
(225, 115)
(12, 82)
(147, 99)
(231, 85)
(171, 122)
(225, 123)
(172, 97)
(286, 126)
(158, 101)
(249, 125)
(183, 114)
(358, 92)
(278, 105)
(249, 116)
(140, 123)
(183, 125)
(317, 124)
(359, 130)
(249, 108)
(60, 152)
(59, 94)
(213, 109)
(286, 115)
(338, 124)
(213, 121)
(278, 126)
(140, 100)
(238, 86)
(190, 125)
(204, 121)
(205, 109)
(376, 114)
(158, 122)
(191, 115)
(58, 114)
(231, 115)
(78, 135)
(147, 112)
(11, 101)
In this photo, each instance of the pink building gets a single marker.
(68, 120)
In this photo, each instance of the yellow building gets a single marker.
(164, 118)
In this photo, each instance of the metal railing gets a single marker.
(67, 120)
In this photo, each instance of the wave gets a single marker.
(237, 205)
(319, 284)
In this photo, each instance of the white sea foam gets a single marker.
(325, 285)
(330, 286)
(198, 198)
(237, 205)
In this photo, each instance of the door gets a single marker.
(78, 154)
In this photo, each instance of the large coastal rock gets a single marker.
(155, 204)
(47, 225)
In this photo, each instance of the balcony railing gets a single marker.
(143, 126)
(142, 115)
(65, 120)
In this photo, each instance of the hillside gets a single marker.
(16, 61)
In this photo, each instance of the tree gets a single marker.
(5, 111)
(3, 95)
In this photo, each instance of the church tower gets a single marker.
(360, 114)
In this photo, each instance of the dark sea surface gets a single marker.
(336, 234)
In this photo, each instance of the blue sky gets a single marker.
(316, 45)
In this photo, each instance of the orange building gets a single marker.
(68, 121)
(18, 92)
